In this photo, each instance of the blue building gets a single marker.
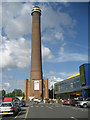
(77, 85)
(85, 79)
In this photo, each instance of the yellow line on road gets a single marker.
(26, 113)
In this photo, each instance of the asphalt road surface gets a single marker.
(56, 111)
(51, 111)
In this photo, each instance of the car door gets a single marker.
(88, 102)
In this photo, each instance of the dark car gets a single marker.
(74, 102)
(22, 103)
(18, 106)
(64, 102)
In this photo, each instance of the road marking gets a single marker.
(42, 106)
(26, 113)
(49, 107)
(62, 106)
(75, 108)
(17, 114)
(37, 106)
(74, 118)
(31, 106)
(57, 106)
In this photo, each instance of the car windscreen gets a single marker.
(6, 105)
(88, 99)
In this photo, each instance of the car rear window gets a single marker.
(6, 105)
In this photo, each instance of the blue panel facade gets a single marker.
(89, 74)
(86, 92)
(87, 67)
(87, 71)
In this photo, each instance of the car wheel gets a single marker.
(13, 114)
(85, 105)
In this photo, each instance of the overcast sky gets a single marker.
(64, 38)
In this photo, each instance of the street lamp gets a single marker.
(53, 90)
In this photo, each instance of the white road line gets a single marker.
(42, 106)
(57, 106)
(31, 106)
(75, 108)
(49, 107)
(74, 118)
(62, 106)
(17, 114)
(37, 106)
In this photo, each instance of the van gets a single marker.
(8, 99)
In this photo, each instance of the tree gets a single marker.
(18, 92)
(15, 93)
(3, 92)
(23, 95)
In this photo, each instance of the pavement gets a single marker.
(50, 111)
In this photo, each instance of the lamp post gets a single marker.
(53, 90)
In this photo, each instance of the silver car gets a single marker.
(8, 108)
(85, 103)
(37, 100)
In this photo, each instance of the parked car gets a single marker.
(8, 108)
(67, 102)
(74, 102)
(85, 103)
(23, 103)
(8, 99)
(37, 100)
(64, 102)
(18, 106)
(0, 102)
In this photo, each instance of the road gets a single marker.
(51, 111)
(56, 111)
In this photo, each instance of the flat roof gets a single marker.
(66, 80)
(73, 75)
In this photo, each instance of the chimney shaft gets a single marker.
(36, 59)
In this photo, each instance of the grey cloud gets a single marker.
(44, 1)
(17, 53)
(19, 19)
